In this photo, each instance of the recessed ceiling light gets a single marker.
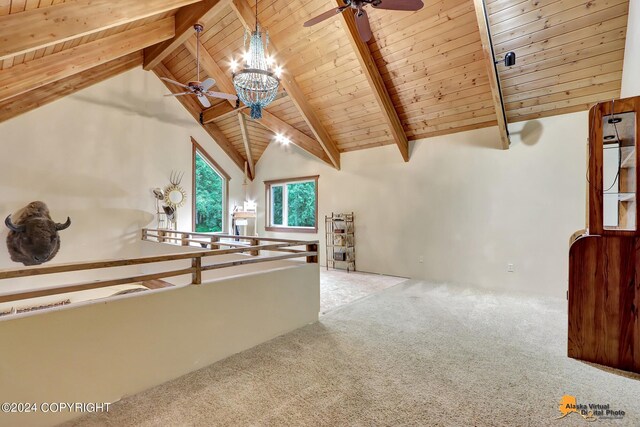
(609, 137)
(614, 120)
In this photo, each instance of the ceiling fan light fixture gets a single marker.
(256, 82)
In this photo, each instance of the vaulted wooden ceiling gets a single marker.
(423, 74)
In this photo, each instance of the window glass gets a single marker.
(301, 207)
(209, 197)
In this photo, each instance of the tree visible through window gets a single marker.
(209, 196)
(293, 204)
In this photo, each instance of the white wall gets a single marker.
(631, 69)
(468, 208)
(101, 352)
(94, 156)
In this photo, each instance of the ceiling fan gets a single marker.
(362, 20)
(198, 88)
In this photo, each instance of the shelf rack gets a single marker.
(340, 241)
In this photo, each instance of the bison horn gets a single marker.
(63, 226)
(11, 226)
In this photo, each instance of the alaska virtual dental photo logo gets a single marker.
(589, 411)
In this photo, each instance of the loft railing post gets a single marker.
(196, 276)
(161, 234)
(313, 247)
(255, 242)
(185, 239)
(214, 240)
(144, 234)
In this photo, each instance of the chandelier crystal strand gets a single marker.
(256, 84)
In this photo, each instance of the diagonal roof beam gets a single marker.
(494, 82)
(193, 107)
(222, 110)
(248, 18)
(374, 78)
(278, 126)
(186, 18)
(247, 143)
(51, 68)
(39, 28)
(54, 91)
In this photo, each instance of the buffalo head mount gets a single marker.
(34, 237)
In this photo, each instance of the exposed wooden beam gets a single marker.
(39, 28)
(247, 143)
(278, 126)
(247, 16)
(193, 107)
(374, 78)
(186, 18)
(223, 110)
(494, 82)
(54, 91)
(51, 68)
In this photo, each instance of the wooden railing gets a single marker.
(213, 243)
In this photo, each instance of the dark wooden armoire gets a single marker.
(604, 261)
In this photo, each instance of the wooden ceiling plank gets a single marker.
(247, 16)
(38, 28)
(201, 12)
(193, 107)
(247, 143)
(277, 126)
(24, 77)
(485, 37)
(374, 78)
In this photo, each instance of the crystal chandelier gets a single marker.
(256, 83)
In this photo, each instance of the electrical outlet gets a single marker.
(510, 268)
(421, 259)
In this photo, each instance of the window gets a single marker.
(210, 185)
(292, 205)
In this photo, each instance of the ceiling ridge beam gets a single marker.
(199, 13)
(192, 106)
(247, 17)
(51, 68)
(247, 143)
(372, 73)
(302, 140)
(34, 29)
(492, 72)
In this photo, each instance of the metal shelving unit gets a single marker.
(340, 241)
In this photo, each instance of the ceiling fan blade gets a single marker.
(179, 94)
(328, 14)
(362, 22)
(221, 95)
(174, 82)
(208, 84)
(204, 101)
(409, 5)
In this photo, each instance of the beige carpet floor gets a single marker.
(415, 354)
(337, 287)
